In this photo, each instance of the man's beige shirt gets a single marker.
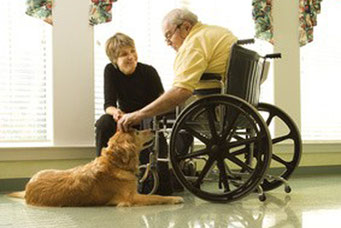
(206, 49)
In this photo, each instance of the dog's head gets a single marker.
(124, 147)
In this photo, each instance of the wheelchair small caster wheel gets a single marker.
(262, 197)
(287, 189)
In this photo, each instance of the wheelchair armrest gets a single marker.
(210, 76)
(246, 41)
(273, 56)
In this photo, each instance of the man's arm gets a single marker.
(166, 102)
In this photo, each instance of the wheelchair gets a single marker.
(233, 152)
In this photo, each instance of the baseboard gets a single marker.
(316, 170)
(16, 184)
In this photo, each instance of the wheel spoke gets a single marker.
(193, 154)
(211, 121)
(270, 118)
(239, 152)
(196, 134)
(223, 176)
(227, 129)
(239, 162)
(242, 142)
(280, 160)
(281, 139)
(228, 139)
(204, 171)
(238, 137)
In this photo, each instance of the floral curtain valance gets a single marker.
(262, 16)
(100, 10)
(308, 10)
(41, 9)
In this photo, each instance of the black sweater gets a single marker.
(133, 92)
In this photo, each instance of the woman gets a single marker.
(128, 86)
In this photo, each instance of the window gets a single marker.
(25, 74)
(143, 24)
(320, 78)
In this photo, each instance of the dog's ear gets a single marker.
(124, 152)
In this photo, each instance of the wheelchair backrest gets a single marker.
(244, 74)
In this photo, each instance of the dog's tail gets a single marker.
(17, 194)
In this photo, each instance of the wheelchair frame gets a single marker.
(237, 153)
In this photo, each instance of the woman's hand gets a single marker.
(117, 115)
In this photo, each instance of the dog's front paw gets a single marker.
(178, 200)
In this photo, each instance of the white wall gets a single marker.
(287, 69)
(73, 74)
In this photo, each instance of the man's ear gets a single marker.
(187, 26)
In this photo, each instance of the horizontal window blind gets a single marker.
(320, 78)
(25, 74)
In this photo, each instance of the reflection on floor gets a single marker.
(314, 202)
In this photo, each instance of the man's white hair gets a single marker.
(178, 16)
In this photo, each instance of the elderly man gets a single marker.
(200, 49)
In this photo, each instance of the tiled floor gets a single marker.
(314, 202)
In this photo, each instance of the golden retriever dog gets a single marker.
(110, 179)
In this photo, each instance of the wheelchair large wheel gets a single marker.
(287, 148)
(231, 152)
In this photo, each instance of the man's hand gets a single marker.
(166, 102)
(128, 120)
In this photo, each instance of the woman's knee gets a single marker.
(105, 122)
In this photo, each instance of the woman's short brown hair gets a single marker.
(115, 43)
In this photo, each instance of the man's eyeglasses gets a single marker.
(169, 36)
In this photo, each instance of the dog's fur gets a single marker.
(108, 180)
